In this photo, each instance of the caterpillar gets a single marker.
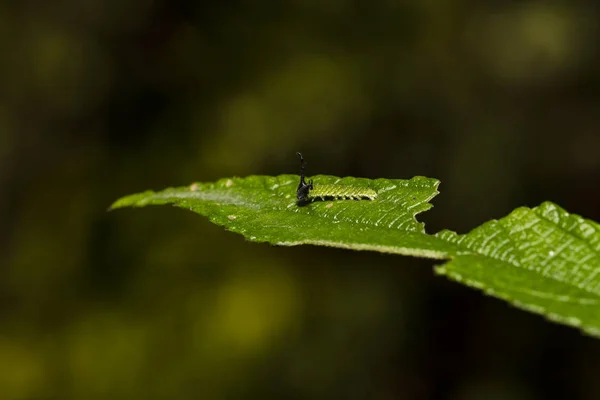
(308, 192)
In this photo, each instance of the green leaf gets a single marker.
(543, 259)
(265, 209)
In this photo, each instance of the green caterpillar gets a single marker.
(308, 192)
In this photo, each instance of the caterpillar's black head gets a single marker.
(303, 187)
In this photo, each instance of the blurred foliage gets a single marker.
(496, 99)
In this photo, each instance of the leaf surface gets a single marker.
(265, 209)
(543, 259)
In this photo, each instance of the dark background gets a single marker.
(500, 100)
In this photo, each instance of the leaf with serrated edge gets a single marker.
(265, 209)
(543, 259)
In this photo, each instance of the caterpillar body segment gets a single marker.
(308, 192)
(341, 192)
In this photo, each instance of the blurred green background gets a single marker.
(500, 100)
